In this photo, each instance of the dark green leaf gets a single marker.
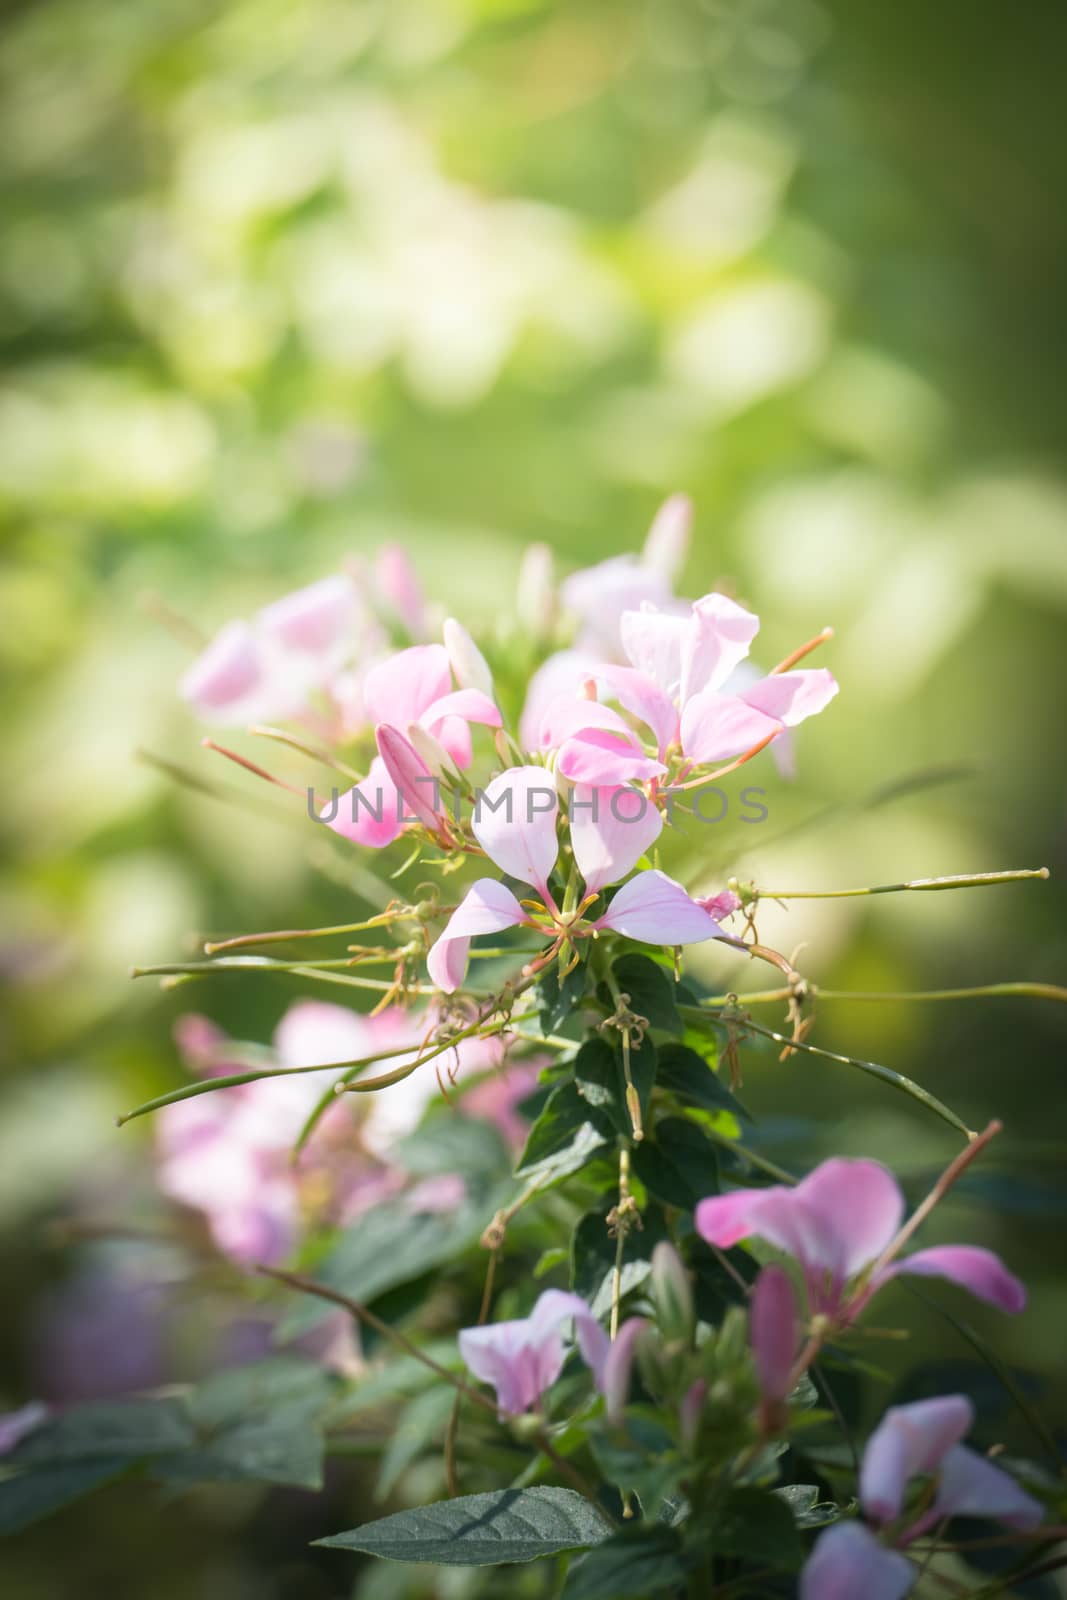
(758, 1525)
(651, 991)
(687, 1075)
(593, 1256)
(29, 1496)
(558, 1000)
(635, 1562)
(599, 1080)
(640, 1455)
(132, 1429)
(679, 1165)
(642, 1071)
(566, 1134)
(449, 1143)
(482, 1530)
(285, 1447)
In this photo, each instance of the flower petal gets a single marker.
(523, 1357)
(848, 1561)
(643, 698)
(610, 831)
(369, 813)
(314, 619)
(514, 821)
(667, 541)
(468, 664)
(772, 1330)
(790, 697)
(653, 643)
(599, 757)
(487, 907)
(560, 677)
(654, 909)
(613, 1379)
(570, 716)
(716, 727)
(717, 637)
(972, 1267)
(971, 1486)
(851, 1210)
(411, 775)
(909, 1440)
(469, 704)
(399, 689)
(226, 674)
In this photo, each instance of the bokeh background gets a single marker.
(283, 279)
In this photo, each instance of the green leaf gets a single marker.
(421, 1421)
(599, 1080)
(807, 1509)
(758, 1525)
(679, 1165)
(384, 1249)
(130, 1429)
(593, 1256)
(687, 1075)
(643, 1061)
(285, 1447)
(558, 1000)
(400, 1377)
(450, 1143)
(566, 1135)
(635, 1562)
(640, 1455)
(29, 1496)
(651, 991)
(482, 1530)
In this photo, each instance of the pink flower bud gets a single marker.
(667, 543)
(773, 1336)
(468, 664)
(413, 778)
(536, 595)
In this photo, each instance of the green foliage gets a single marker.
(510, 1525)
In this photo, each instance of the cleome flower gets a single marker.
(851, 1559)
(841, 1224)
(515, 824)
(676, 686)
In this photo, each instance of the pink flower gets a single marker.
(675, 685)
(410, 695)
(15, 1425)
(267, 670)
(922, 1439)
(838, 1223)
(515, 824)
(773, 1334)
(522, 1358)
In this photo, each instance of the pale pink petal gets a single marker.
(514, 821)
(616, 1368)
(848, 1563)
(487, 907)
(469, 704)
(314, 619)
(410, 774)
(573, 714)
(522, 1358)
(717, 637)
(653, 909)
(400, 588)
(601, 758)
(560, 677)
(653, 642)
(227, 674)
(724, 1220)
(369, 813)
(909, 1440)
(643, 698)
(971, 1486)
(454, 737)
(314, 1031)
(716, 727)
(790, 697)
(772, 1331)
(972, 1267)
(610, 831)
(667, 541)
(599, 596)
(399, 689)
(468, 664)
(720, 906)
(851, 1210)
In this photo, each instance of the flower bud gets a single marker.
(690, 1413)
(672, 1294)
(618, 1366)
(772, 1331)
(536, 594)
(409, 772)
(433, 752)
(468, 663)
(667, 542)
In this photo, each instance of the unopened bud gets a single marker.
(690, 1413)
(672, 1294)
(618, 1366)
(468, 663)
(434, 754)
(536, 595)
(667, 543)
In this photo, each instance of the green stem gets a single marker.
(977, 880)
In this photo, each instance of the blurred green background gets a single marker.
(281, 280)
